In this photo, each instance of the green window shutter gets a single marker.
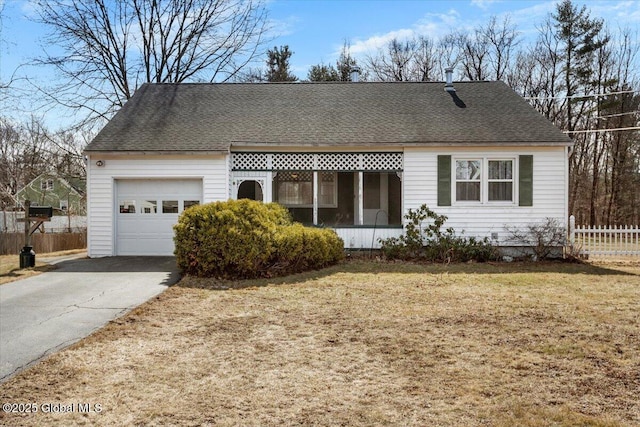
(444, 180)
(525, 181)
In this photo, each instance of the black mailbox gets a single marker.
(40, 211)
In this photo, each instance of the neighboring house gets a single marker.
(351, 156)
(67, 195)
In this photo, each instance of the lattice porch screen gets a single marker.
(317, 161)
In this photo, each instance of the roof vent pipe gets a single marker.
(449, 79)
(354, 74)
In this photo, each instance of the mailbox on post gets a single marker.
(37, 215)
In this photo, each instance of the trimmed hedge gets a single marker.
(240, 239)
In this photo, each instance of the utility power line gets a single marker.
(617, 115)
(601, 130)
(595, 95)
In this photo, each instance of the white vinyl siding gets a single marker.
(550, 197)
(101, 180)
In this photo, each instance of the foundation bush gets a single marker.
(240, 239)
(424, 239)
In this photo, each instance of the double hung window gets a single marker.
(484, 180)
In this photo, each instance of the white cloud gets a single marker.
(483, 4)
(528, 20)
(616, 14)
(283, 27)
(378, 41)
(433, 25)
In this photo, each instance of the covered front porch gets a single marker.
(357, 194)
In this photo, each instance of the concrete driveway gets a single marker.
(45, 313)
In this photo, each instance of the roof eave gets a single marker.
(253, 144)
(157, 152)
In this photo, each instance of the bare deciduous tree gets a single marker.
(474, 55)
(104, 50)
(501, 39)
(393, 62)
(29, 149)
(416, 59)
(426, 60)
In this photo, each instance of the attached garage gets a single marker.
(147, 209)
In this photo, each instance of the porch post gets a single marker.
(315, 198)
(360, 198)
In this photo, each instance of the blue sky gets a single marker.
(316, 30)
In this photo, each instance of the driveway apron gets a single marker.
(46, 313)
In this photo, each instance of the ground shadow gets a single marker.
(123, 264)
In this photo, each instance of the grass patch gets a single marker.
(362, 343)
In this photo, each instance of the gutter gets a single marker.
(307, 146)
(157, 153)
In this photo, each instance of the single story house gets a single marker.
(353, 156)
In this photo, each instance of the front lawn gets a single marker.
(362, 343)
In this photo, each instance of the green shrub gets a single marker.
(425, 240)
(300, 248)
(246, 239)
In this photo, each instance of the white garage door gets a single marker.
(146, 211)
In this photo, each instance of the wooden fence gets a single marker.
(12, 243)
(604, 241)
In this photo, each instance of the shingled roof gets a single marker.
(214, 117)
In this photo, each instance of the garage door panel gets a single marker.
(147, 225)
(142, 227)
(149, 245)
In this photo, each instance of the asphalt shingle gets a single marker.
(214, 117)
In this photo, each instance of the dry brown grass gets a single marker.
(362, 343)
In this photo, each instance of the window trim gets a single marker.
(484, 181)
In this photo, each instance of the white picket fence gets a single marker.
(604, 241)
